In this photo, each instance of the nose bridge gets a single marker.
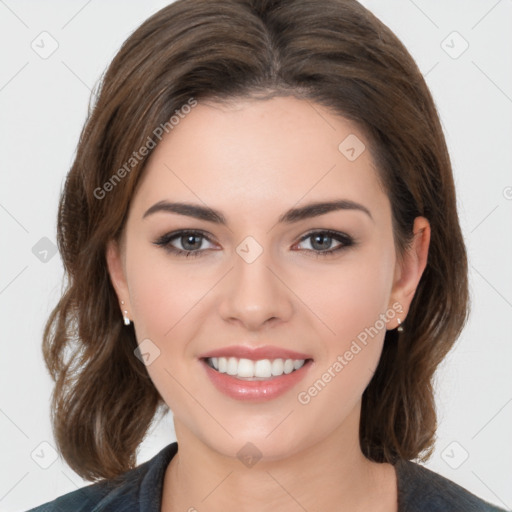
(254, 293)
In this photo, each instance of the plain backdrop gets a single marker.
(463, 48)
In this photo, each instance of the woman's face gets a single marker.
(255, 280)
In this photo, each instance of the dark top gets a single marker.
(140, 490)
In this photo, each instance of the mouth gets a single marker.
(257, 380)
(255, 370)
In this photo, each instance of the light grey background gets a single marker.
(43, 105)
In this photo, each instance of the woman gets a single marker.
(261, 235)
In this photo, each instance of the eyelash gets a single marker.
(165, 241)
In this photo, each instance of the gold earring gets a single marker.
(399, 328)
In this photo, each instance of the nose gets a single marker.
(255, 294)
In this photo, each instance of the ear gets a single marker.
(409, 269)
(117, 273)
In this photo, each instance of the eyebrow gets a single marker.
(291, 216)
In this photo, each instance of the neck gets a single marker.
(332, 474)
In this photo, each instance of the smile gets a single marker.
(254, 370)
(255, 380)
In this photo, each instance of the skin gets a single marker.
(253, 160)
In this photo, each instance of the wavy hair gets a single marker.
(332, 52)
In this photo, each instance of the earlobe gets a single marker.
(117, 275)
(410, 268)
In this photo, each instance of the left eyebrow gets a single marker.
(291, 216)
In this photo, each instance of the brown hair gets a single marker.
(333, 52)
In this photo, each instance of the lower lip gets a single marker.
(255, 390)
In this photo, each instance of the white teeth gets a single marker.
(262, 368)
(232, 366)
(277, 367)
(288, 366)
(222, 364)
(245, 368)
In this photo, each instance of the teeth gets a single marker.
(262, 368)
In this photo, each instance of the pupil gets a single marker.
(188, 238)
(325, 238)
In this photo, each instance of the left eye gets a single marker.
(324, 239)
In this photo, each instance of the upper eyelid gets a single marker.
(182, 232)
(332, 232)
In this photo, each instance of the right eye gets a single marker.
(190, 240)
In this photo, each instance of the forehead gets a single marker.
(263, 153)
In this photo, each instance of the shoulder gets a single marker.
(422, 490)
(138, 488)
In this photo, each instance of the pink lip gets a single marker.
(255, 390)
(265, 352)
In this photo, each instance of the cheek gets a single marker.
(162, 294)
(167, 302)
(352, 295)
(354, 302)
(162, 303)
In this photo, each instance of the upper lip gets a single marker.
(255, 353)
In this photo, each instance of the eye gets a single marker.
(323, 239)
(190, 240)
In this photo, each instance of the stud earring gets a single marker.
(125, 315)
(400, 327)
